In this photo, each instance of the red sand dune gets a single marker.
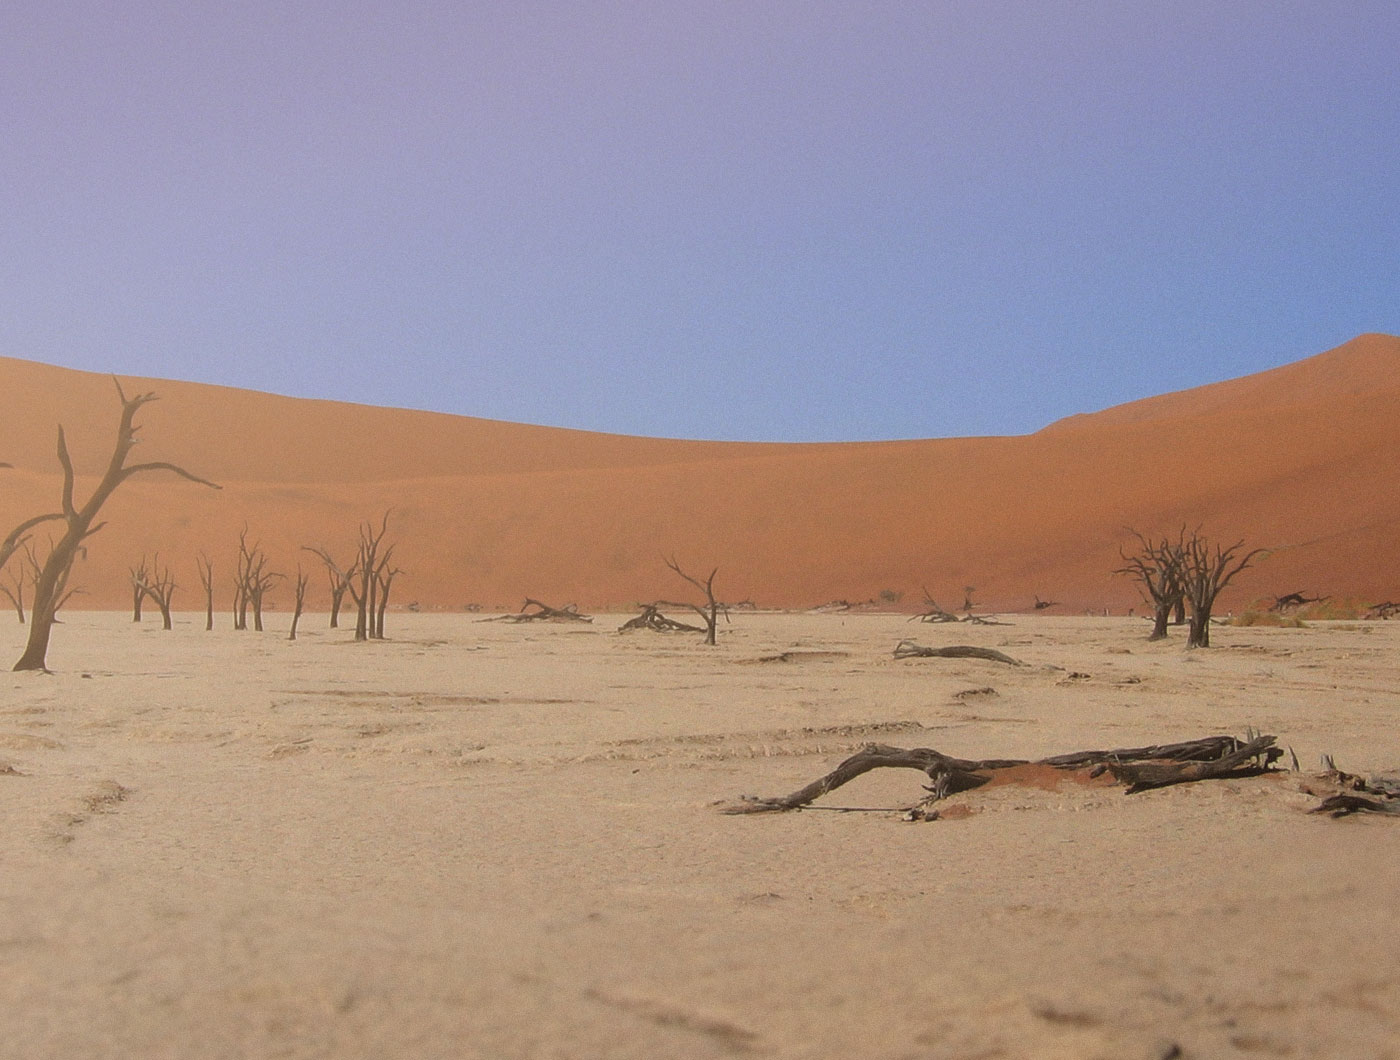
(1304, 459)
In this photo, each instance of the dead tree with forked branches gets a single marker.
(159, 585)
(384, 578)
(1207, 569)
(710, 610)
(371, 561)
(1157, 565)
(139, 574)
(932, 612)
(251, 581)
(206, 579)
(367, 580)
(27, 574)
(339, 578)
(80, 524)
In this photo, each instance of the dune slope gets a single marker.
(1302, 459)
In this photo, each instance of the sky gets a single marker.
(776, 220)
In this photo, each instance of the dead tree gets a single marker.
(28, 573)
(968, 605)
(932, 612)
(160, 586)
(384, 577)
(206, 579)
(1294, 601)
(49, 591)
(651, 618)
(339, 578)
(1205, 570)
(711, 608)
(299, 600)
(366, 579)
(139, 574)
(251, 581)
(537, 611)
(1157, 566)
(1385, 611)
(1041, 605)
(1138, 768)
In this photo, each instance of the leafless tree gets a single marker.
(138, 591)
(932, 612)
(206, 579)
(1205, 570)
(299, 601)
(1157, 565)
(367, 579)
(27, 573)
(49, 590)
(251, 583)
(339, 585)
(711, 608)
(385, 578)
(159, 585)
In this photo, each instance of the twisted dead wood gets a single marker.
(651, 618)
(535, 611)
(1137, 767)
(907, 649)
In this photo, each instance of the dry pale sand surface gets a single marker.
(481, 840)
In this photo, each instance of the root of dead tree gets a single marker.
(1137, 768)
(907, 649)
(1343, 794)
(535, 611)
(651, 618)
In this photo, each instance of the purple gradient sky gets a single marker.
(749, 220)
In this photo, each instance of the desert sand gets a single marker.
(481, 840)
(1301, 460)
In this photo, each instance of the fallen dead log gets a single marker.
(907, 649)
(1137, 767)
(651, 618)
(535, 611)
(1249, 759)
(1341, 805)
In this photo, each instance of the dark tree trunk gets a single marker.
(48, 591)
(1160, 614)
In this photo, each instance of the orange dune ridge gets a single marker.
(1303, 459)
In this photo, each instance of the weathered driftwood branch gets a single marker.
(535, 611)
(907, 649)
(651, 618)
(1346, 793)
(1246, 760)
(1138, 767)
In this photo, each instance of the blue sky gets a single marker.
(740, 220)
